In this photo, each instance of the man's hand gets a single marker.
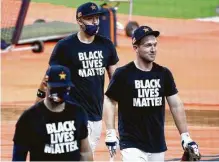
(111, 141)
(191, 151)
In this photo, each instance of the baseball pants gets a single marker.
(94, 133)
(134, 154)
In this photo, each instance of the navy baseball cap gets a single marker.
(143, 31)
(88, 9)
(58, 76)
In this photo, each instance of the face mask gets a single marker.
(58, 95)
(91, 29)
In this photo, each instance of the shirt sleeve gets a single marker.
(114, 89)
(57, 54)
(83, 127)
(113, 59)
(170, 86)
(21, 135)
(19, 153)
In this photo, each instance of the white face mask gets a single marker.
(58, 95)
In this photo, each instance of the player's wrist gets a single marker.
(111, 135)
(185, 139)
(185, 136)
(41, 94)
(111, 132)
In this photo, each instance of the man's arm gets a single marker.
(111, 98)
(109, 105)
(41, 92)
(111, 69)
(55, 59)
(21, 138)
(109, 118)
(109, 112)
(86, 152)
(178, 112)
(191, 147)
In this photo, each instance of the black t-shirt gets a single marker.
(52, 136)
(87, 63)
(141, 105)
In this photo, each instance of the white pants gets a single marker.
(134, 154)
(94, 133)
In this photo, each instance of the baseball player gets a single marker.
(87, 55)
(53, 129)
(140, 89)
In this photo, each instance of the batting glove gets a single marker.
(111, 141)
(190, 147)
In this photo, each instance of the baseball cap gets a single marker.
(143, 31)
(58, 76)
(88, 9)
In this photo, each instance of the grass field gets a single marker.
(157, 8)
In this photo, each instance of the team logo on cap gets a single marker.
(146, 30)
(93, 7)
(79, 14)
(62, 75)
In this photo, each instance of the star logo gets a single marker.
(93, 7)
(62, 75)
(79, 14)
(146, 30)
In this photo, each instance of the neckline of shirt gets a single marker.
(84, 42)
(133, 62)
(52, 111)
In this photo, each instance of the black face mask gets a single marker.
(59, 94)
(90, 29)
